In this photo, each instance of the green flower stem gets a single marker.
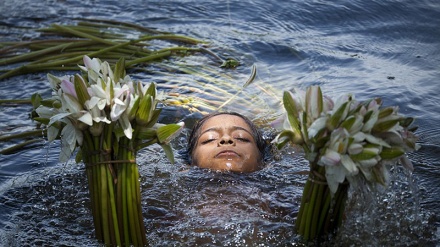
(174, 37)
(316, 210)
(31, 55)
(320, 213)
(129, 199)
(302, 207)
(116, 24)
(325, 208)
(89, 160)
(104, 203)
(15, 102)
(149, 58)
(82, 34)
(114, 215)
(18, 147)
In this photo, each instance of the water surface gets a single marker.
(388, 49)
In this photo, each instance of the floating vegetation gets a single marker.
(199, 87)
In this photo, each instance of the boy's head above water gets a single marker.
(226, 141)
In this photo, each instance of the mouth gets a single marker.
(226, 153)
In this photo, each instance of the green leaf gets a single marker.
(42, 120)
(251, 77)
(152, 90)
(391, 153)
(292, 115)
(364, 155)
(47, 102)
(338, 116)
(385, 112)
(36, 100)
(146, 133)
(284, 137)
(167, 132)
(134, 109)
(168, 152)
(145, 108)
(154, 117)
(78, 156)
(348, 123)
(406, 122)
(385, 125)
(81, 90)
(119, 71)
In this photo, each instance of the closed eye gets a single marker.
(207, 141)
(242, 139)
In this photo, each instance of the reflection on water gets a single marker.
(386, 49)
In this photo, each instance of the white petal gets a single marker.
(101, 119)
(371, 122)
(334, 175)
(117, 109)
(68, 141)
(331, 158)
(98, 91)
(357, 125)
(92, 102)
(358, 137)
(316, 126)
(86, 118)
(355, 148)
(126, 126)
(348, 163)
(52, 133)
(279, 123)
(45, 112)
(368, 163)
(58, 117)
(71, 103)
(313, 100)
(376, 140)
(93, 64)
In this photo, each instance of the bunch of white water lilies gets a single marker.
(344, 140)
(109, 117)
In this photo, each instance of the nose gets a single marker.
(226, 140)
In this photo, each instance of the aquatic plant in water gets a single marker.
(347, 143)
(108, 117)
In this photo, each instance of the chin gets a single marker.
(231, 167)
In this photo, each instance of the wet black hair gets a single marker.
(195, 134)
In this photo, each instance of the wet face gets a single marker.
(226, 143)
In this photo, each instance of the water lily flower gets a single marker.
(92, 67)
(68, 88)
(314, 102)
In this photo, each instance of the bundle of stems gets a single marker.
(94, 38)
(320, 213)
(114, 188)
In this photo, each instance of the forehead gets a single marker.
(225, 121)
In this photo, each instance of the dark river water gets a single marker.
(388, 49)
